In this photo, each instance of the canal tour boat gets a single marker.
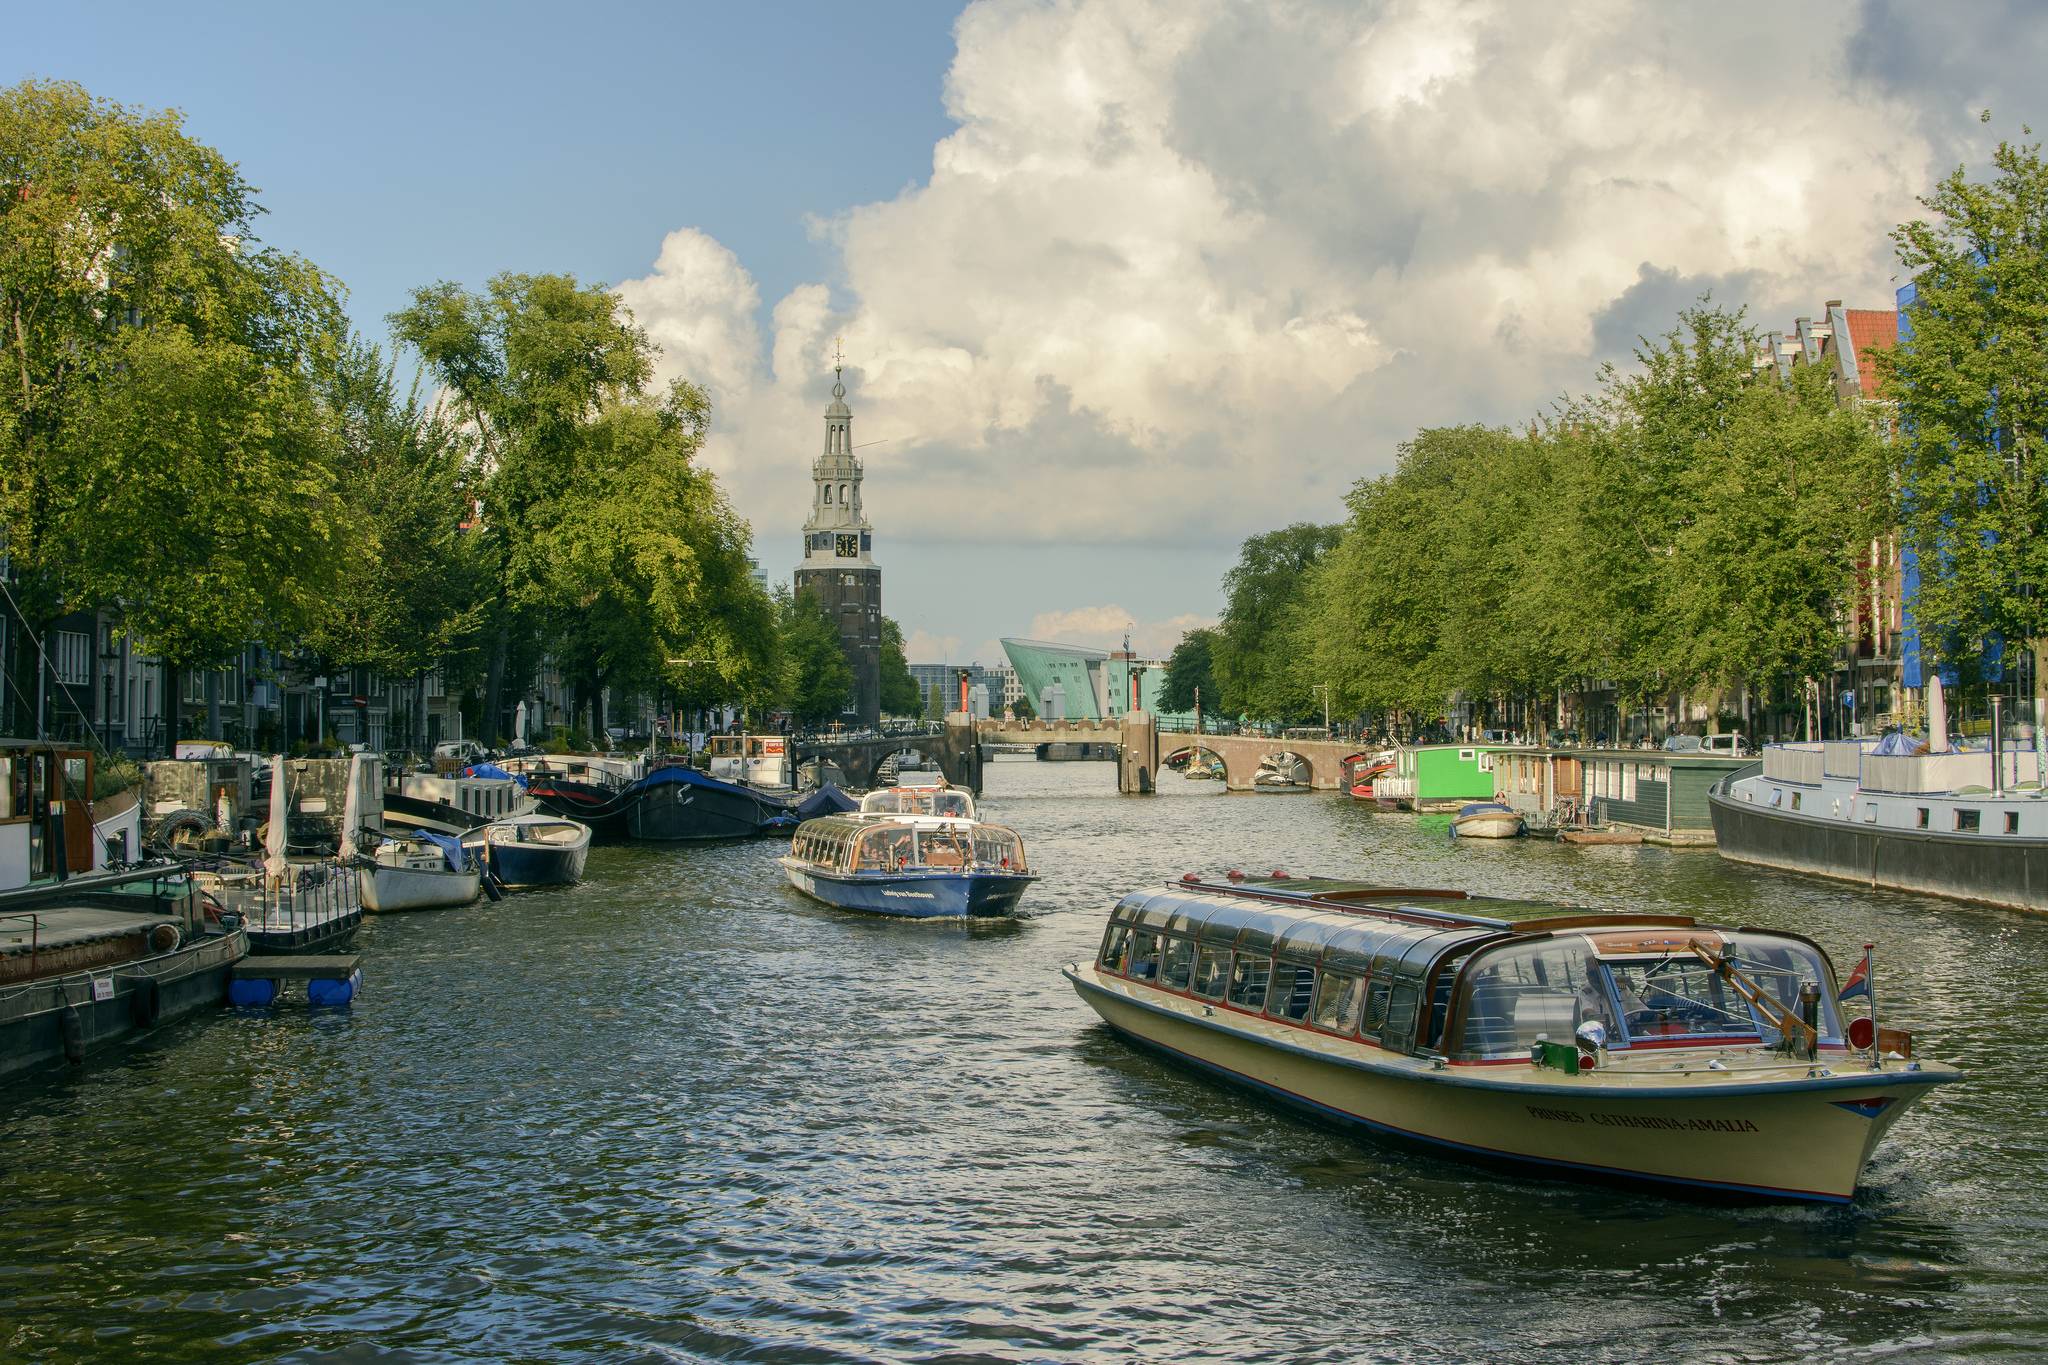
(912, 852)
(1639, 1047)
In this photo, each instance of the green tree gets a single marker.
(818, 686)
(1970, 378)
(1265, 626)
(217, 472)
(1023, 709)
(900, 694)
(402, 470)
(529, 366)
(131, 278)
(1190, 672)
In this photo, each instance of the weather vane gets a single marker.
(838, 356)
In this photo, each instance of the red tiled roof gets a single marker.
(1870, 329)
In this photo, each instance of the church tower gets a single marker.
(838, 565)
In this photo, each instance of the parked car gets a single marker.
(1729, 745)
(465, 750)
(1682, 744)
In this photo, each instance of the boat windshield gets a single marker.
(946, 802)
(1668, 996)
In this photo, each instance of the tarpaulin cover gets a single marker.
(1898, 744)
(494, 773)
(826, 800)
(450, 846)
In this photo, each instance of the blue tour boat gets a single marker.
(916, 853)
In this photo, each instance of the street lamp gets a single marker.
(1323, 688)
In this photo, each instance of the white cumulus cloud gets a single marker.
(1187, 268)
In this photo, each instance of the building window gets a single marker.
(1920, 818)
(73, 656)
(828, 495)
(1968, 821)
(2012, 822)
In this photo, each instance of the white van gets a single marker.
(1730, 745)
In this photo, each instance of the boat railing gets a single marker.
(308, 896)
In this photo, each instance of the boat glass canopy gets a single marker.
(949, 803)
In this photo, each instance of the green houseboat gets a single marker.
(1438, 777)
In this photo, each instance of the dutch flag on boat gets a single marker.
(1859, 980)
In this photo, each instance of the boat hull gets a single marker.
(1506, 825)
(191, 978)
(666, 812)
(913, 895)
(518, 866)
(1798, 1140)
(1999, 870)
(389, 889)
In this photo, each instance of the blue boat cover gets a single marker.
(494, 772)
(826, 800)
(1897, 743)
(1485, 807)
(450, 846)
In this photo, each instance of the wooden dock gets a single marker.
(292, 967)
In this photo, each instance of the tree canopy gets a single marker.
(1970, 379)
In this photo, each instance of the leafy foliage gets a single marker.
(900, 694)
(818, 679)
(1970, 378)
(1190, 672)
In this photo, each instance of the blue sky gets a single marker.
(1121, 281)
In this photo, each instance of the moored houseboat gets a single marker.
(1638, 1047)
(1971, 824)
(912, 866)
(95, 958)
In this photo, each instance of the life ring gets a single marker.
(191, 824)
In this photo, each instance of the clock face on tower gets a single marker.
(849, 547)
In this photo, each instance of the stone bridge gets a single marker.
(1139, 747)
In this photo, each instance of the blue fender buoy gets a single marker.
(332, 992)
(252, 992)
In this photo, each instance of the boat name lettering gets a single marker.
(1701, 1125)
(910, 895)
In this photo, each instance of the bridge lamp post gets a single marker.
(1324, 688)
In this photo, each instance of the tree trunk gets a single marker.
(173, 683)
(213, 705)
(419, 714)
(598, 732)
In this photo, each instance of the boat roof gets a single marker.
(1410, 904)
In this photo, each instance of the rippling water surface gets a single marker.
(678, 1112)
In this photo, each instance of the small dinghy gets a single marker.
(530, 850)
(425, 872)
(1487, 820)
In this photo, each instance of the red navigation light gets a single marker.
(1587, 1061)
(1191, 876)
(1861, 1034)
(1279, 874)
(1235, 875)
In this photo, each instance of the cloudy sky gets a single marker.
(1119, 283)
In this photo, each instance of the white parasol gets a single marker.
(352, 809)
(519, 723)
(274, 865)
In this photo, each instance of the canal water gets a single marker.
(678, 1113)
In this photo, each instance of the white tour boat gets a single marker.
(1638, 1047)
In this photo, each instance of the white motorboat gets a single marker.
(1488, 820)
(428, 872)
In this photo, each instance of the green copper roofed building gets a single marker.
(1073, 682)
